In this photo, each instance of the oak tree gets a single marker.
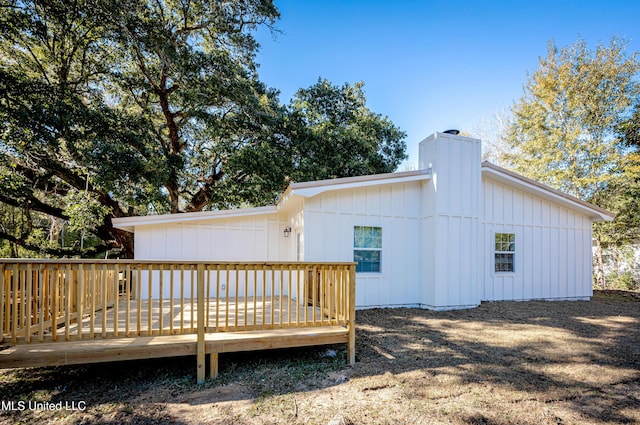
(117, 108)
(339, 136)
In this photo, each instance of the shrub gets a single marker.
(623, 280)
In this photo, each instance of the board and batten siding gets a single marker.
(231, 239)
(238, 239)
(329, 221)
(450, 222)
(553, 247)
(296, 242)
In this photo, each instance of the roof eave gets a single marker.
(309, 189)
(129, 223)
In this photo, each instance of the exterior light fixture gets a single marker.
(287, 231)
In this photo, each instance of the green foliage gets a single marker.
(188, 67)
(569, 130)
(625, 195)
(12, 220)
(338, 136)
(624, 281)
(117, 108)
(622, 196)
(53, 59)
(564, 127)
(113, 100)
(84, 211)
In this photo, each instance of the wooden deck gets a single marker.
(118, 349)
(73, 312)
(222, 315)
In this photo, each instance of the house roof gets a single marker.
(303, 189)
(129, 223)
(546, 192)
(313, 188)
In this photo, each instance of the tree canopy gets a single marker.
(564, 129)
(338, 136)
(574, 130)
(116, 108)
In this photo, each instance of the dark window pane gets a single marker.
(504, 262)
(368, 261)
(369, 240)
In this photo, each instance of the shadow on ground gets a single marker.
(582, 356)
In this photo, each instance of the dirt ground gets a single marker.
(501, 363)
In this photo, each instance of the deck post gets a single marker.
(213, 365)
(200, 353)
(352, 315)
(79, 299)
(27, 303)
(3, 323)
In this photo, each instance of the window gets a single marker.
(505, 249)
(367, 248)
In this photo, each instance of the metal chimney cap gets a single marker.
(454, 132)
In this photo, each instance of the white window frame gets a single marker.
(511, 252)
(379, 250)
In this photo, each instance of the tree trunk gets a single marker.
(55, 229)
(126, 241)
(600, 279)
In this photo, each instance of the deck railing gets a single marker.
(64, 300)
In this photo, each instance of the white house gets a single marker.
(447, 236)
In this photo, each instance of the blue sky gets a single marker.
(431, 65)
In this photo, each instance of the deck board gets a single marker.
(105, 350)
(221, 317)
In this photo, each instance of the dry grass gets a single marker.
(502, 363)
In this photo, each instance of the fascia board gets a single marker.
(129, 223)
(311, 191)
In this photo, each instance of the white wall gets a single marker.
(553, 247)
(221, 283)
(329, 220)
(450, 222)
(296, 222)
(256, 238)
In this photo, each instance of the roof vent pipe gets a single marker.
(454, 132)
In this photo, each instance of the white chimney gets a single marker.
(450, 221)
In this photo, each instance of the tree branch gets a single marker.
(201, 198)
(187, 29)
(57, 252)
(80, 183)
(34, 204)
